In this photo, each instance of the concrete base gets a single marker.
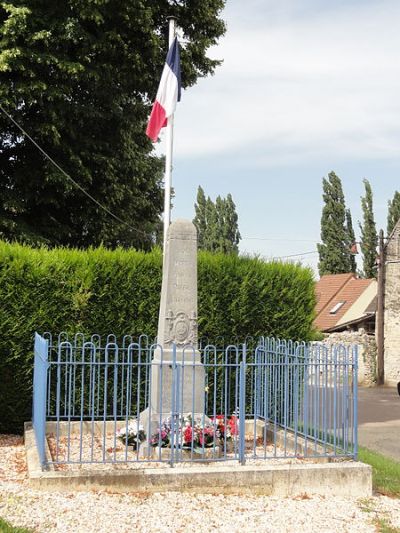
(345, 479)
(164, 454)
(186, 382)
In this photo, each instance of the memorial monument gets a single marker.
(177, 374)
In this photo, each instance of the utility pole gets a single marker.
(380, 326)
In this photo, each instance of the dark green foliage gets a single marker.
(334, 252)
(351, 240)
(210, 237)
(200, 219)
(80, 77)
(217, 224)
(241, 296)
(96, 291)
(369, 235)
(393, 212)
(229, 221)
(102, 291)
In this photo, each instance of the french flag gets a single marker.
(168, 94)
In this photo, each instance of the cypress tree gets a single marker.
(369, 236)
(220, 229)
(200, 220)
(211, 233)
(334, 252)
(231, 226)
(393, 212)
(217, 224)
(351, 240)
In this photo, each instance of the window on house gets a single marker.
(336, 308)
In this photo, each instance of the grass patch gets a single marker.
(383, 526)
(385, 473)
(5, 527)
(381, 523)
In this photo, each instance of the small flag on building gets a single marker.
(354, 249)
(168, 94)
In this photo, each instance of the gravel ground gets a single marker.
(103, 511)
(77, 449)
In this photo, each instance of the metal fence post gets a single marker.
(242, 408)
(355, 400)
(39, 394)
(305, 400)
(174, 417)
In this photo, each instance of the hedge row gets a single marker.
(103, 291)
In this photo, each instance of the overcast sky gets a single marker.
(307, 86)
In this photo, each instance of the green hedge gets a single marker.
(103, 291)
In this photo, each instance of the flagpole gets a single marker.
(169, 149)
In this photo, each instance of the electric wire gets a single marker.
(283, 239)
(116, 217)
(47, 156)
(296, 255)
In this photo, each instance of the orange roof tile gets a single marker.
(328, 286)
(333, 289)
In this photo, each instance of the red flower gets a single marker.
(233, 425)
(188, 435)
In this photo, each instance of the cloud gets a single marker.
(298, 84)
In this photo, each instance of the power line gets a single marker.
(47, 156)
(296, 255)
(283, 239)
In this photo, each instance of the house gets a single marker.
(345, 303)
(392, 308)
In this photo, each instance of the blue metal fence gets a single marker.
(266, 398)
(39, 397)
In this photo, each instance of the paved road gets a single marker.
(379, 420)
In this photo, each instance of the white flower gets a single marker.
(131, 431)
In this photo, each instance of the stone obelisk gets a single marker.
(177, 375)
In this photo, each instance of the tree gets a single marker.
(211, 233)
(200, 219)
(217, 224)
(393, 212)
(231, 227)
(80, 77)
(334, 251)
(369, 236)
(351, 240)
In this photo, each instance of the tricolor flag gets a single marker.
(168, 94)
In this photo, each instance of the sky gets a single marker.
(306, 87)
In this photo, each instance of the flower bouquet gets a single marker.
(228, 428)
(189, 434)
(132, 435)
(162, 436)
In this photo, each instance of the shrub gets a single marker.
(103, 291)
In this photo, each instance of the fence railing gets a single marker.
(121, 401)
(39, 395)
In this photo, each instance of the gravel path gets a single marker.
(105, 512)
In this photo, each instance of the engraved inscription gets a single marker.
(178, 309)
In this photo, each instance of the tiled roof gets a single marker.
(328, 286)
(333, 290)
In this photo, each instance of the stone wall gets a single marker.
(392, 309)
(366, 352)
